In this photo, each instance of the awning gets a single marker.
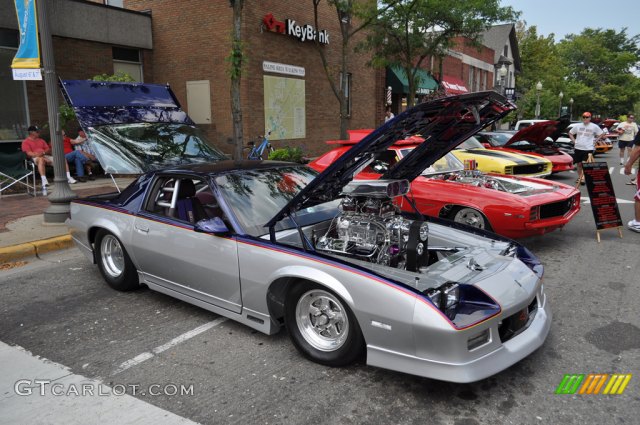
(397, 79)
(453, 85)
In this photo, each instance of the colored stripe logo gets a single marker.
(593, 383)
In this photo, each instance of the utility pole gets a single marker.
(62, 195)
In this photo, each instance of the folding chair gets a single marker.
(14, 170)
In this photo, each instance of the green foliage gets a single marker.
(594, 68)
(287, 154)
(236, 59)
(66, 115)
(118, 77)
(412, 30)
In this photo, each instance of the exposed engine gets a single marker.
(371, 228)
(479, 179)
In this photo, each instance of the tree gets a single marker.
(235, 60)
(540, 62)
(602, 60)
(346, 11)
(412, 30)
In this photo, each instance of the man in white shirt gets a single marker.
(627, 132)
(584, 137)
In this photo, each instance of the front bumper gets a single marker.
(508, 353)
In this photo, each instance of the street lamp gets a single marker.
(502, 72)
(561, 95)
(538, 90)
(571, 109)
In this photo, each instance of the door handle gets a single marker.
(142, 229)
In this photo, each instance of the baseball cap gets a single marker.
(33, 128)
(586, 114)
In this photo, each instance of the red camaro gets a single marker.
(533, 140)
(515, 207)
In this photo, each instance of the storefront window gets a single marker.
(13, 107)
(127, 61)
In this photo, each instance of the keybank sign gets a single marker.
(291, 28)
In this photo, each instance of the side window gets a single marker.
(182, 198)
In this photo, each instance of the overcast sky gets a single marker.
(563, 17)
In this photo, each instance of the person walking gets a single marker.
(627, 132)
(584, 137)
(634, 225)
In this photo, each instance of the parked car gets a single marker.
(515, 207)
(509, 163)
(536, 140)
(333, 260)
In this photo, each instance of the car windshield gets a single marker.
(255, 196)
(470, 143)
(141, 147)
(498, 139)
(446, 164)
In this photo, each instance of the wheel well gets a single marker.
(276, 296)
(92, 234)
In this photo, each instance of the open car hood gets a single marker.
(98, 103)
(134, 128)
(540, 131)
(442, 123)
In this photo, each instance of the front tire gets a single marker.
(321, 325)
(114, 263)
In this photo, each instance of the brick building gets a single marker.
(88, 39)
(284, 88)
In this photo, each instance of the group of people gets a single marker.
(586, 134)
(76, 151)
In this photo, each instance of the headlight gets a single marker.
(446, 298)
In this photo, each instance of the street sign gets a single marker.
(603, 199)
(27, 74)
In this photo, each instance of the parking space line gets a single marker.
(164, 347)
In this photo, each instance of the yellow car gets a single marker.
(513, 164)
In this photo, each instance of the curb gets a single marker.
(29, 249)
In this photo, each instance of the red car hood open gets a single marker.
(540, 131)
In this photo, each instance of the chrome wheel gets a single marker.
(322, 320)
(470, 217)
(112, 256)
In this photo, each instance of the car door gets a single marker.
(171, 254)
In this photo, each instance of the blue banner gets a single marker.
(28, 55)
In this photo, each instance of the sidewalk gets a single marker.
(22, 230)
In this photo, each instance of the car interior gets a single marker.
(183, 198)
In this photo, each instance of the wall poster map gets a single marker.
(284, 108)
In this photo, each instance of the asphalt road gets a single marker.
(60, 308)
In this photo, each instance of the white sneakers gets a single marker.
(621, 161)
(634, 226)
(71, 180)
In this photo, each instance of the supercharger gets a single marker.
(371, 227)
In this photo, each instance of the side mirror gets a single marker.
(212, 225)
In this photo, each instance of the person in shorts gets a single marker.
(627, 132)
(40, 153)
(584, 137)
(634, 224)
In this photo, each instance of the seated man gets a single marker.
(82, 145)
(74, 156)
(40, 153)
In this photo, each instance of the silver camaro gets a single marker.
(332, 259)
